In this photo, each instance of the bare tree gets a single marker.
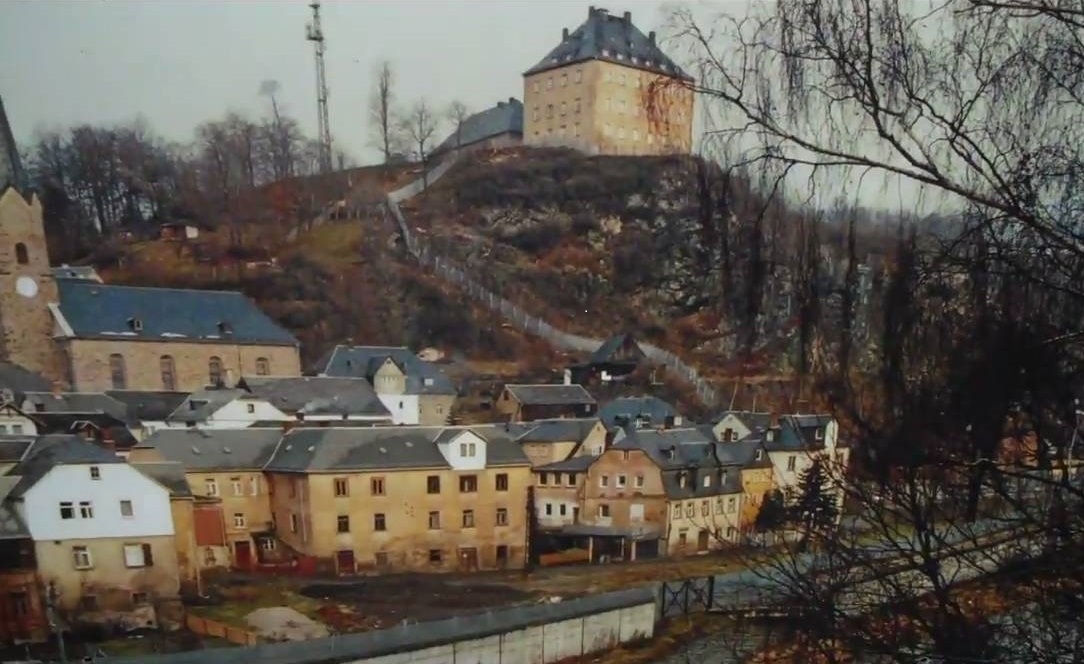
(457, 115)
(979, 364)
(382, 121)
(420, 125)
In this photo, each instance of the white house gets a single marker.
(102, 531)
(14, 422)
(463, 449)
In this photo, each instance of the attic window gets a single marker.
(428, 382)
(224, 327)
(769, 436)
(670, 454)
(606, 52)
(635, 60)
(135, 324)
(95, 473)
(819, 434)
(683, 478)
(760, 455)
(620, 56)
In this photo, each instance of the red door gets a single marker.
(344, 562)
(242, 555)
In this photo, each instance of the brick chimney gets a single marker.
(628, 18)
(651, 37)
(564, 34)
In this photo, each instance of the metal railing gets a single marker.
(515, 315)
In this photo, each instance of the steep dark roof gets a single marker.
(14, 448)
(557, 431)
(216, 449)
(199, 406)
(11, 168)
(347, 448)
(688, 445)
(318, 395)
(504, 118)
(101, 311)
(57, 450)
(169, 474)
(611, 38)
(799, 432)
(650, 408)
(756, 422)
(143, 406)
(110, 427)
(363, 361)
(83, 403)
(605, 352)
(550, 395)
(694, 482)
(576, 464)
(19, 380)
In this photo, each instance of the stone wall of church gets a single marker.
(91, 368)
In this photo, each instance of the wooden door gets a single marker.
(702, 541)
(344, 562)
(468, 559)
(242, 555)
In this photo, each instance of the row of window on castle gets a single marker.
(621, 106)
(635, 79)
(119, 374)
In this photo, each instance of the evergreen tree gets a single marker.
(813, 507)
(773, 512)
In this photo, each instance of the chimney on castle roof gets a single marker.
(651, 37)
(564, 34)
(590, 11)
(511, 100)
(628, 18)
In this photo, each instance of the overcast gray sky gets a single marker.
(179, 62)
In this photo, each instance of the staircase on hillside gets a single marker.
(516, 316)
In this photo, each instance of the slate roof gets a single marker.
(102, 311)
(85, 403)
(576, 464)
(57, 450)
(199, 406)
(345, 448)
(14, 448)
(613, 39)
(688, 445)
(11, 168)
(169, 474)
(363, 361)
(798, 432)
(318, 395)
(148, 406)
(19, 380)
(75, 272)
(11, 524)
(550, 395)
(559, 430)
(651, 408)
(756, 422)
(65, 423)
(605, 352)
(743, 452)
(215, 449)
(504, 118)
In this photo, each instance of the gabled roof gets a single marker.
(550, 395)
(799, 432)
(688, 445)
(19, 380)
(650, 408)
(756, 422)
(504, 118)
(169, 474)
(85, 403)
(559, 430)
(201, 405)
(111, 428)
(363, 361)
(605, 352)
(11, 167)
(576, 464)
(50, 451)
(215, 449)
(318, 395)
(372, 448)
(148, 406)
(101, 311)
(613, 39)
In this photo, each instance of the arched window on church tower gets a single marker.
(22, 257)
(117, 372)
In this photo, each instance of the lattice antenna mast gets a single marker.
(315, 34)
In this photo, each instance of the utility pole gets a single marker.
(315, 34)
(51, 596)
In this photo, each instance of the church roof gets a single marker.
(11, 169)
(504, 118)
(611, 38)
(90, 310)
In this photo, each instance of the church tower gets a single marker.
(27, 287)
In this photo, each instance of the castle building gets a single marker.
(608, 88)
(92, 336)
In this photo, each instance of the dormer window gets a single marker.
(760, 455)
(683, 479)
(135, 324)
(224, 327)
(819, 433)
(670, 454)
(769, 436)
(606, 52)
(620, 56)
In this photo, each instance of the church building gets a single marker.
(90, 336)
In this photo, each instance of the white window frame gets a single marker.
(211, 484)
(239, 520)
(622, 481)
(131, 509)
(133, 556)
(86, 509)
(83, 553)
